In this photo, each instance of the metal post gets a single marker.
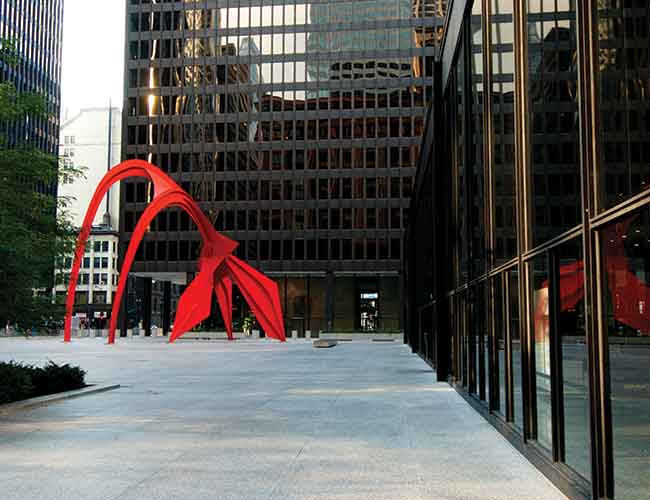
(329, 301)
(555, 341)
(166, 307)
(146, 307)
(124, 315)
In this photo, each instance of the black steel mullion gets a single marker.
(602, 467)
(488, 210)
(451, 109)
(555, 343)
(465, 58)
(309, 302)
(523, 218)
(441, 180)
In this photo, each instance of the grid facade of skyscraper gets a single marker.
(35, 28)
(297, 127)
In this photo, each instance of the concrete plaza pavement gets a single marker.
(255, 420)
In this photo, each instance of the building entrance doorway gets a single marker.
(369, 310)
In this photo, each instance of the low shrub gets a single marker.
(53, 378)
(18, 381)
(15, 382)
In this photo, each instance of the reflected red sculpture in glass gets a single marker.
(219, 269)
(630, 296)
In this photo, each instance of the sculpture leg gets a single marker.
(129, 168)
(141, 228)
(261, 294)
(223, 291)
(195, 304)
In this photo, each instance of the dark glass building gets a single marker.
(35, 27)
(297, 127)
(527, 276)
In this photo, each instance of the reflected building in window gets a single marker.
(427, 36)
(360, 54)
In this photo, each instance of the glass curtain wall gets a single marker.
(625, 251)
(503, 130)
(548, 214)
(623, 171)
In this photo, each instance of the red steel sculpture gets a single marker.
(219, 269)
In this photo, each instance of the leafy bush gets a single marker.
(53, 378)
(15, 382)
(18, 381)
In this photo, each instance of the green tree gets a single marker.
(34, 224)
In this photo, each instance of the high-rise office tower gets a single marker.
(297, 128)
(35, 27)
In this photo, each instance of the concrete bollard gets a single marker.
(308, 334)
(255, 334)
(129, 333)
(294, 333)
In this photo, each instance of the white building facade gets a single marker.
(84, 142)
(92, 140)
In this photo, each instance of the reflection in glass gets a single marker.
(461, 303)
(473, 339)
(500, 339)
(575, 370)
(624, 62)
(539, 271)
(626, 247)
(245, 106)
(345, 42)
(481, 342)
(503, 120)
(552, 70)
(515, 335)
(478, 257)
(460, 191)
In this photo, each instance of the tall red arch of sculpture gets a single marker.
(219, 269)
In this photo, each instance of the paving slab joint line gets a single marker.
(28, 404)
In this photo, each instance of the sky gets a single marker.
(93, 54)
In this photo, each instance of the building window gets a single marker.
(81, 298)
(625, 247)
(503, 121)
(623, 55)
